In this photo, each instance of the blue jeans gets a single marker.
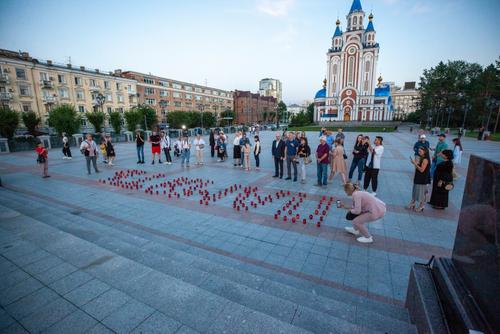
(358, 163)
(185, 156)
(322, 174)
(140, 153)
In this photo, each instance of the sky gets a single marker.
(233, 44)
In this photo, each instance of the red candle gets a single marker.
(318, 224)
(316, 212)
(304, 221)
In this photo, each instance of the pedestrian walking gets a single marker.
(155, 146)
(185, 148)
(365, 209)
(165, 146)
(340, 135)
(421, 179)
(278, 152)
(211, 141)
(237, 150)
(89, 150)
(102, 147)
(199, 146)
(66, 150)
(338, 164)
(110, 150)
(359, 155)
(372, 166)
(256, 152)
(304, 157)
(291, 156)
(42, 159)
(322, 161)
(139, 142)
(437, 158)
(442, 181)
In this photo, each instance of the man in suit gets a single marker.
(278, 151)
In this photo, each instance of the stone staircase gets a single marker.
(204, 291)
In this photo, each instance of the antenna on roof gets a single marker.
(69, 59)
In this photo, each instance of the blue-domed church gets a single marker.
(349, 92)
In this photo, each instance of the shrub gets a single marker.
(9, 120)
(64, 118)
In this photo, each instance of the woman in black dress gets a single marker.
(442, 176)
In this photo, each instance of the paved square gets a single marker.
(206, 249)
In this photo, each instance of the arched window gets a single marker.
(349, 22)
(350, 71)
(335, 69)
(355, 20)
(360, 20)
(367, 66)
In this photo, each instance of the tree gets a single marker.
(177, 119)
(282, 111)
(96, 118)
(133, 119)
(147, 115)
(64, 118)
(229, 115)
(9, 120)
(31, 121)
(299, 120)
(115, 119)
(310, 113)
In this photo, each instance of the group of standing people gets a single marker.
(294, 149)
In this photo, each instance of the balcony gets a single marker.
(5, 96)
(4, 79)
(131, 92)
(95, 88)
(48, 99)
(47, 84)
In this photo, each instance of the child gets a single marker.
(256, 152)
(102, 146)
(177, 148)
(110, 151)
(247, 150)
(43, 159)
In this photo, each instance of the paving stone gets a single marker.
(18, 291)
(70, 282)
(100, 329)
(12, 278)
(157, 323)
(56, 273)
(14, 328)
(106, 303)
(127, 317)
(86, 292)
(75, 323)
(32, 302)
(48, 315)
(5, 319)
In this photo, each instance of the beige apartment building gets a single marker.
(165, 95)
(404, 100)
(30, 84)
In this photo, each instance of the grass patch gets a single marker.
(360, 129)
(473, 134)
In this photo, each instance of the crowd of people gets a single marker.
(434, 167)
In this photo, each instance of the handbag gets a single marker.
(201, 146)
(40, 159)
(307, 160)
(448, 186)
(345, 156)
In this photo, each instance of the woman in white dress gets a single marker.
(457, 152)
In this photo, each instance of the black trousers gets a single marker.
(371, 175)
(66, 151)
(257, 160)
(212, 150)
(167, 154)
(278, 167)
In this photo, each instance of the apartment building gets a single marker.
(405, 100)
(250, 108)
(165, 95)
(271, 87)
(30, 84)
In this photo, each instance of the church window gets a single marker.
(350, 71)
(355, 20)
(335, 69)
(360, 20)
(349, 22)
(367, 66)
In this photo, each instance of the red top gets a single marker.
(321, 151)
(42, 151)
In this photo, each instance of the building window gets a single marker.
(92, 83)
(109, 110)
(349, 22)
(215, 93)
(163, 83)
(26, 107)
(107, 85)
(149, 91)
(44, 76)
(109, 97)
(81, 108)
(163, 92)
(61, 79)
(118, 86)
(78, 81)
(189, 96)
(176, 86)
(80, 95)
(188, 88)
(176, 95)
(83, 122)
(120, 110)
(198, 90)
(207, 91)
(198, 97)
(24, 90)
(151, 102)
(350, 71)
(355, 21)
(120, 98)
(63, 93)
(177, 104)
(20, 73)
(149, 81)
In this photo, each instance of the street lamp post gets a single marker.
(100, 99)
(201, 107)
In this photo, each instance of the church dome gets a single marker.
(321, 94)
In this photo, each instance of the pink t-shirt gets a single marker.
(364, 202)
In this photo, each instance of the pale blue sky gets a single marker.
(233, 44)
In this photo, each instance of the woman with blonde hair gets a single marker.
(366, 208)
(338, 164)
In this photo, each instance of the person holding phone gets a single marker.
(421, 179)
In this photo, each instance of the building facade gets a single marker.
(294, 109)
(349, 91)
(405, 100)
(166, 95)
(271, 87)
(30, 84)
(252, 108)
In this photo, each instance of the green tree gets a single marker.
(64, 118)
(282, 111)
(115, 119)
(310, 113)
(299, 120)
(229, 114)
(96, 118)
(31, 122)
(148, 115)
(9, 120)
(133, 119)
(177, 119)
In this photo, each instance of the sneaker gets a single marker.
(159, 161)
(69, 158)
(374, 193)
(365, 240)
(288, 178)
(169, 163)
(152, 163)
(302, 181)
(139, 162)
(351, 230)
(295, 180)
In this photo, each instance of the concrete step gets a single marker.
(272, 294)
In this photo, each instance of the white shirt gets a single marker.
(197, 144)
(236, 141)
(185, 145)
(165, 142)
(379, 151)
(90, 146)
